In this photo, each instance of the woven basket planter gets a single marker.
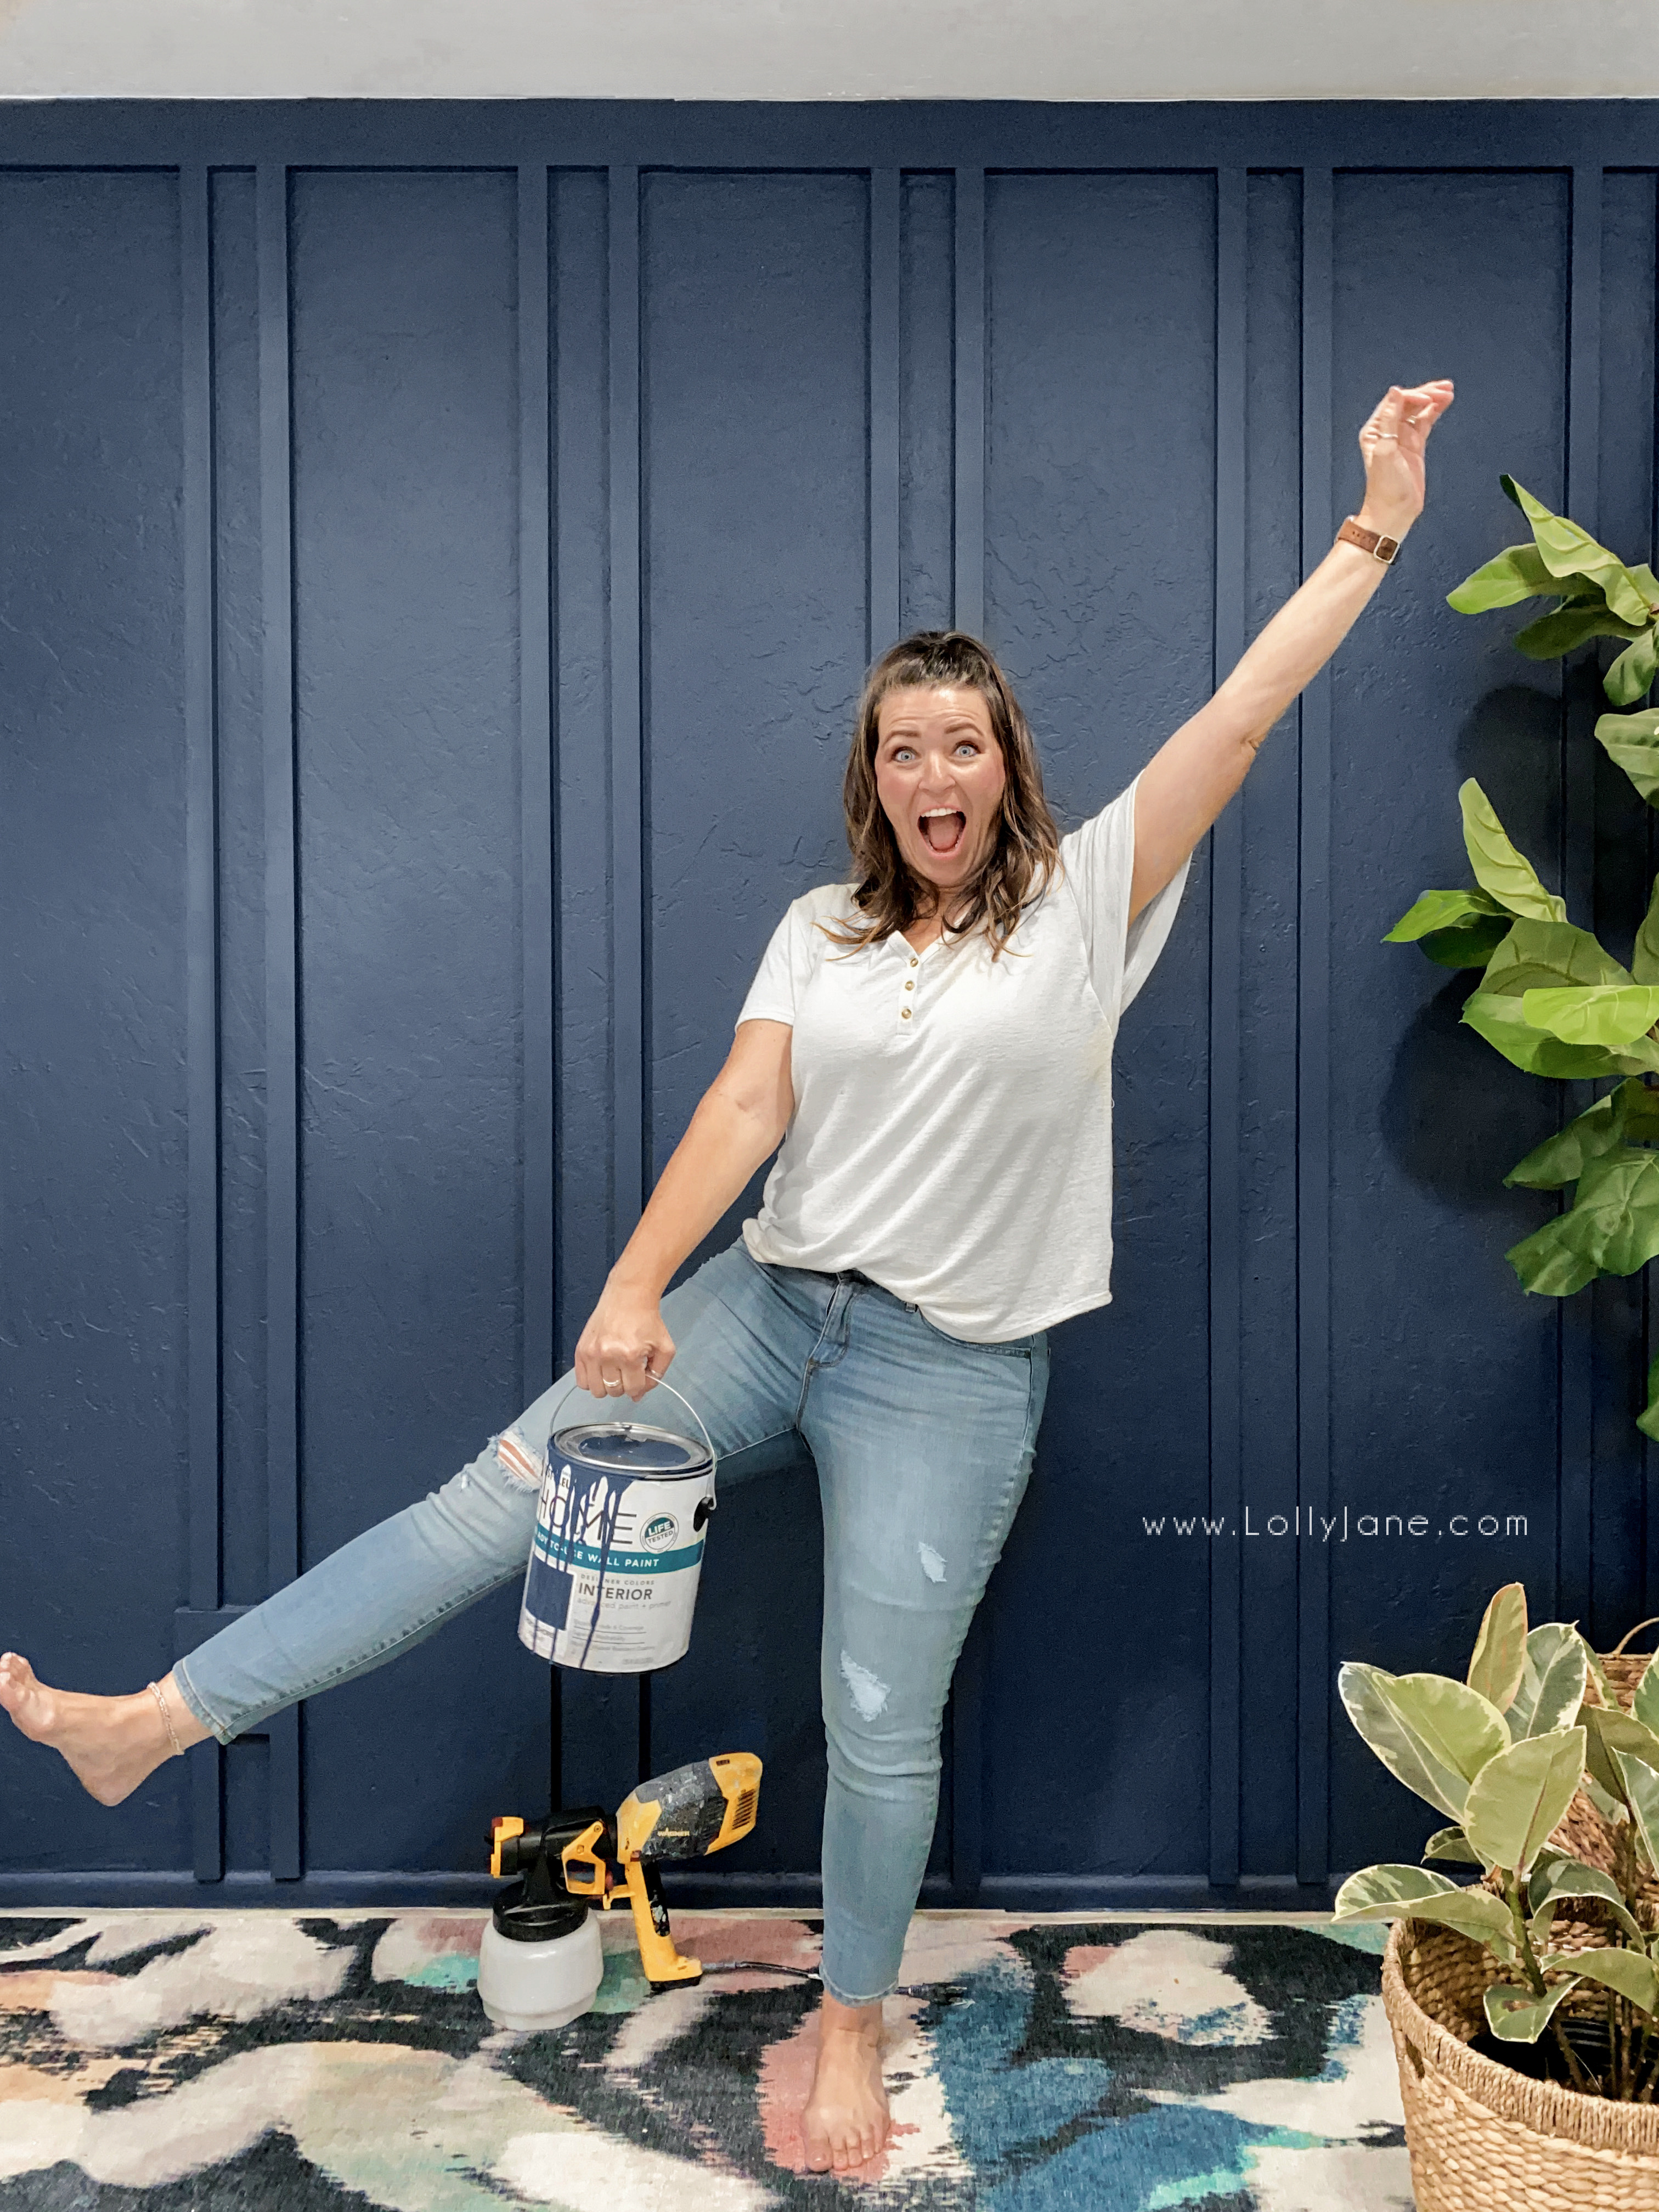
(1483, 2137)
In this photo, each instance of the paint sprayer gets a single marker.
(540, 1964)
(611, 1589)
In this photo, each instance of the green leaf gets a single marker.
(1644, 1706)
(1568, 627)
(1619, 1193)
(1566, 1877)
(1627, 1971)
(1610, 1014)
(1560, 1158)
(1552, 1687)
(1518, 2016)
(1498, 1018)
(1597, 1672)
(1567, 551)
(1645, 959)
(1631, 677)
(1550, 1264)
(1598, 1759)
(1360, 1686)
(1539, 955)
(1456, 929)
(1450, 1723)
(1379, 1892)
(1517, 573)
(1452, 1844)
(1472, 945)
(1612, 1808)
(1436, 910)
(1551, 1856)
(1636, 1109)
(1611, 1228)
(1558, 1873)
(1498, 867)
(1398, 1893)
(1638, 1784)
(1611, 1730)
(1632, 743)
(1518, 1797)
(1648, 1420)
(1499, 1658)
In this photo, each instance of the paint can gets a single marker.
(612, 1580)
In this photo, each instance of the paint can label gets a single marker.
(611, 1584)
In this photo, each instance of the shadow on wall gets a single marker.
(1510, 742)
(1455, 1116)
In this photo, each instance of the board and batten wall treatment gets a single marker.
(442, 547)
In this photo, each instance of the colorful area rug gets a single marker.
(269, 2062)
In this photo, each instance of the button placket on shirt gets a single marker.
(907, 999)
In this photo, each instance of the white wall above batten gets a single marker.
(829, 48)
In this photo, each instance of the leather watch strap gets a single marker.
(1368, 541)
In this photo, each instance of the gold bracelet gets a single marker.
(167, 1720)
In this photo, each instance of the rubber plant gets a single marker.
(1551, 997)
(1503, 1753)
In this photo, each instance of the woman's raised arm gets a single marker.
(1190, 778)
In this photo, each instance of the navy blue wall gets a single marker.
(442, 547)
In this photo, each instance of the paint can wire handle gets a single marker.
(660, 1383)
(663, 1383)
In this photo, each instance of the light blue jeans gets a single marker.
(923, 1445)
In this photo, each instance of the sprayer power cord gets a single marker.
(803, 1973)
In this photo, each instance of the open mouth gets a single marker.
(945, 828)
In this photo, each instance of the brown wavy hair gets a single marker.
(1026, 854)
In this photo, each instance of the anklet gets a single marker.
(167, 1720)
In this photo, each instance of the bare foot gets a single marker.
(112, 1744)
(846, 2121)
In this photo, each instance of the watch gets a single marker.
(1382, 549)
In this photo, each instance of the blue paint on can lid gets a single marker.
(631, 1447)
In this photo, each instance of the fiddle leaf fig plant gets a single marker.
(1504, 1752)
(1550, 998)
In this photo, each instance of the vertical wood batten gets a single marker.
(967, 1689)
(1580, 699)
(536, 785)
(969, 412)
(627, 829)
(1226, 903)
(202, 985)
(627, 810)
(883, 411)
(282, 973)
(1314, 1065)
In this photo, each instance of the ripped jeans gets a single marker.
(923, 1445)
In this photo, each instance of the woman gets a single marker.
(931, 1045)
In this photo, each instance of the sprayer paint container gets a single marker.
(539, 1963)
(612, 1580)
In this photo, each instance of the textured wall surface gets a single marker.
(443, 550)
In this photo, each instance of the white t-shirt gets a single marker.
(952, 1131)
